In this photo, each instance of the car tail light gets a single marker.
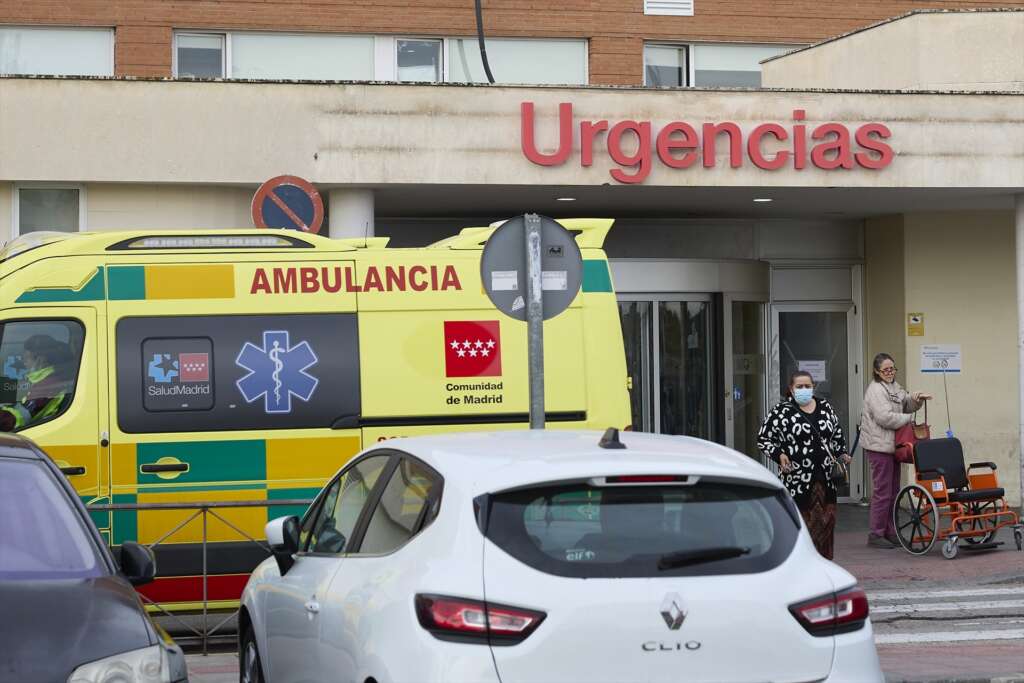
(834, 613)
(475, 621)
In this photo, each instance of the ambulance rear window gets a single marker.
(222, 373)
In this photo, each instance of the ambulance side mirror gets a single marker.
(283, 539)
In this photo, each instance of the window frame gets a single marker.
(433, 501)
(433, 39)
(78, 371)
(225, 60)
(689, 51)
(109, 30)
(371, 500)
(16, 202)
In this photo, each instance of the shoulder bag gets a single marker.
(909, 434)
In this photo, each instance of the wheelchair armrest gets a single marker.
(938, 472)
(978, 465)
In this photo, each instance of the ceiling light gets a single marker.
(565, 199)
(763, 199)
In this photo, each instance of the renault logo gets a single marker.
(672, 611)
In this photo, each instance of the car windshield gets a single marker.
(41, 535)
(644, 531)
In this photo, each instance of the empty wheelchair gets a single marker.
(951, 503)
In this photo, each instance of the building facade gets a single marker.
(793, 186)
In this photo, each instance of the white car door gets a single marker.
(294, 607)
(368, 584)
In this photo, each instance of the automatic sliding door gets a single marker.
(684, 356)
(637, 327)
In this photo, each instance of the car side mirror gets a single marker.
(283, 539)
(138, 564)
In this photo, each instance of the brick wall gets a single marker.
(616, 28)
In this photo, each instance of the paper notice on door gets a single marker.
(815, 367)
(505, 280)
(554, 280)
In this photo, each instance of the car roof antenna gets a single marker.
(610, 439)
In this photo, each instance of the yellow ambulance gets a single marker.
(250, 365)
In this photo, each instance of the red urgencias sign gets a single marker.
(828, 146)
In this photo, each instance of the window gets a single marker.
(217, 373)
(333, 529)
(199, 55)
(732, 65)
(666, 66)
(623, 531)
(45, 51)
(419, 61)
(679, 8)
(550, 62)
(49, 208)
(301, 56)
(39, 362)
(43, 537)
(408, 503)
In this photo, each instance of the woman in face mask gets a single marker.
(803, 435)
(887, 407)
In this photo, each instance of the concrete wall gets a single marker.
(884, 295)
(186, 207)
(243, 133)
(928, 51)
(960, 272)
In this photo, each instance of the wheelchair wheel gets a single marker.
(1018, 538)
(916, 518)
(950, 548)
(987, 525)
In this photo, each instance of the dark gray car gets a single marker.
(68, 613)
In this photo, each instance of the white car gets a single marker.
(551, 556)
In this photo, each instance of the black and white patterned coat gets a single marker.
(787, 431)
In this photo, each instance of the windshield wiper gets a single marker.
(684, 558)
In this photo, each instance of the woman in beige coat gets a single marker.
(887, 407)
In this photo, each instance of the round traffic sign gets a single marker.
(504, 274)
(288, 201)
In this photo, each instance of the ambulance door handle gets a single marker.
(73, 471)
(155, 468)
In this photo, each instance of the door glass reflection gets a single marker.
(748, 374)
(636, 335)
(684, 359)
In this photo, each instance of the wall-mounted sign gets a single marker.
(634, 145)
(816, 368)
(915, 324)
(941, 358)
(288, 201)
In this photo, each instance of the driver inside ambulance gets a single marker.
(45, 385)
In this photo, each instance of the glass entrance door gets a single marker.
(670, 362)
(745, 368)
(817, 338)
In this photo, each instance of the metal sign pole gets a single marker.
(535, 320)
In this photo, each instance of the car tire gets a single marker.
(249, 668)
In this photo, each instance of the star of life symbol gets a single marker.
(473, 348)
(163, 369)
(277, 372)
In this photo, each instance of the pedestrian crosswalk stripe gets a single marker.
(946, 606)
(917, 595)
(947, 636)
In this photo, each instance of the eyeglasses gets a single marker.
(889, 371)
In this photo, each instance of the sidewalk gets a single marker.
(896, 572)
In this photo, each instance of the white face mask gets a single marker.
(803, 395)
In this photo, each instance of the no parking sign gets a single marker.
(288, 201)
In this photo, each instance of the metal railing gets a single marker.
(202, 510)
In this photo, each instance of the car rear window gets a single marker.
(588, 531)
(42, 536)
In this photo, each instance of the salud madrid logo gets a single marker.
(277, 371)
